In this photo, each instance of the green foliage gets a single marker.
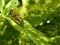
(41, 22)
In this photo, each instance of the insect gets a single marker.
(17, 17)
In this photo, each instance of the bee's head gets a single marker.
(11, 11)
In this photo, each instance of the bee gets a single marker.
(17, 17)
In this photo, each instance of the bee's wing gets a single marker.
(21, 22)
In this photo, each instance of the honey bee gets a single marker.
(17, 17)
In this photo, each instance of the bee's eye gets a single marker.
(11, 11)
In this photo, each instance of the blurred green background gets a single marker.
(41, 22)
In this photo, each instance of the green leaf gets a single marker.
(32, 33)
(1, 6)
(42, 2)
